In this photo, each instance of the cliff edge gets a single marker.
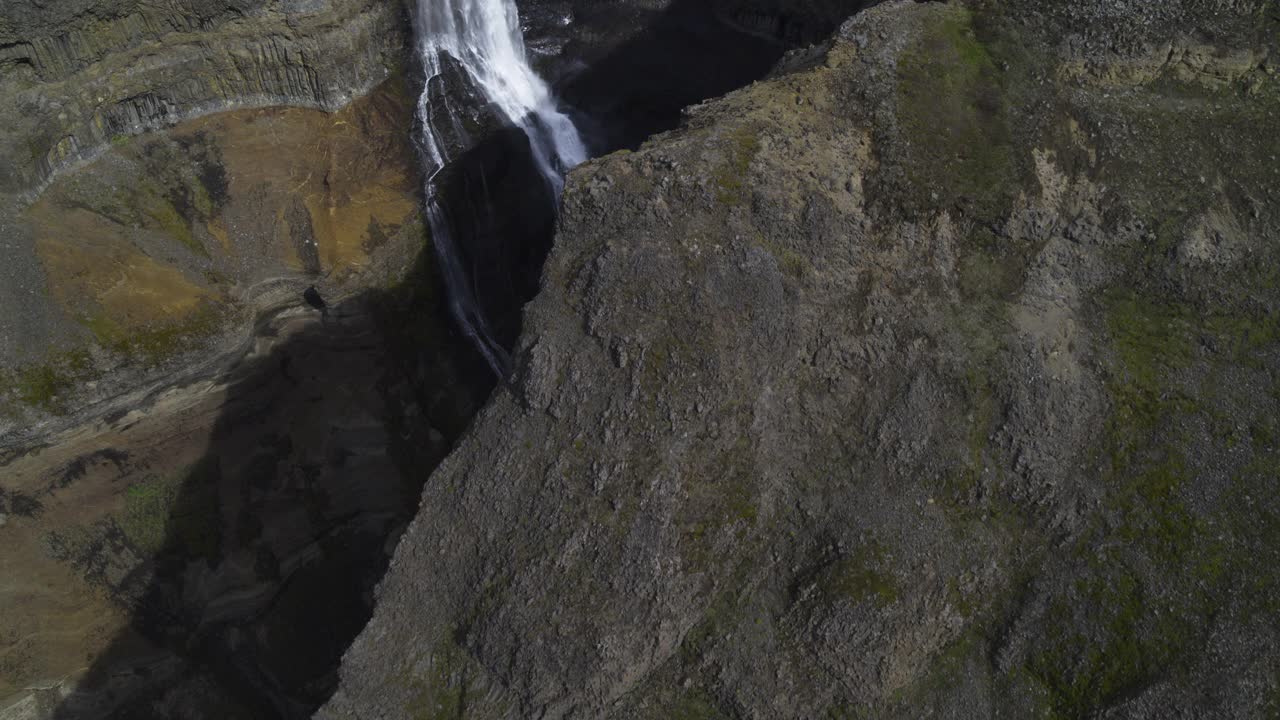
(935, 375)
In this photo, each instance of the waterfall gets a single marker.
(482, 38)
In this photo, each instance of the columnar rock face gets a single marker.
(76, 76)
(935, 375)
(154, 258)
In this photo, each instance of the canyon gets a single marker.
(912, 360)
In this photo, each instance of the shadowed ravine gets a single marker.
(261, 554)
(275, 536)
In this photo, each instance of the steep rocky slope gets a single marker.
(936, 375)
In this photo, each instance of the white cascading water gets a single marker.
(483, 38)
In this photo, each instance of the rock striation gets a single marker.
(76, 76)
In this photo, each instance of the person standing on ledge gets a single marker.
(312, 296)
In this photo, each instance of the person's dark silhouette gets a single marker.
(312, 296)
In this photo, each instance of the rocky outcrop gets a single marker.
(934, 375)
(75, 77)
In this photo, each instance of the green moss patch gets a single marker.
(740, 148)
(1143, 603)
(1156, 338)
(177, 514)
(155, 343)
(41, 385)
(793, 263)
(721, 500)
(45, 385)
(48, 384)
(860, 575)
(960, 487)
(952, 113)
(692, 705)
(1154, 571)
(1151, 339)
(442, 693)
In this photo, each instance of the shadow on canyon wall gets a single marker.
(687, 55)
(501, 211)
(271, 545)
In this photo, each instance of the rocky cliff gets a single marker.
(935, 375)
(190, 455)
(206, 453)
